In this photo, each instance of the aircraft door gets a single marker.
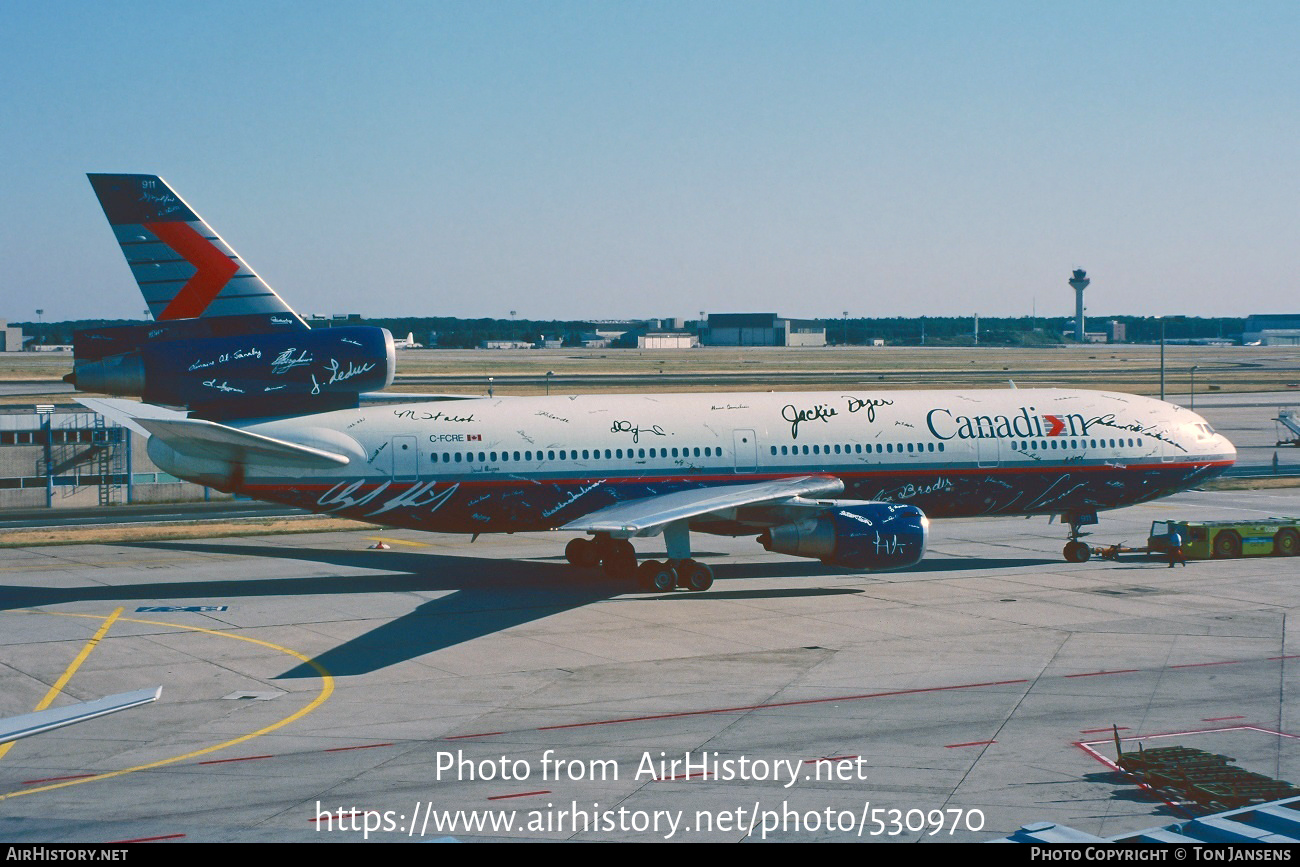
(746, 450)
(986, 452)
(406, 463)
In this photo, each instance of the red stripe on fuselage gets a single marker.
(215, 269)
(507, 478)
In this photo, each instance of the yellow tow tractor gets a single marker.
(1205, 540)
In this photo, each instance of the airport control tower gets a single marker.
(1078, 283)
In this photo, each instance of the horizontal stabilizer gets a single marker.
(199, 438)
(29, 724)
(129, 413)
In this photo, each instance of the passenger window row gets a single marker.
(1057, 445)
(531, 456)
(859, 448)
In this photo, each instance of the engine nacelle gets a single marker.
(863, 535)
(250, 375)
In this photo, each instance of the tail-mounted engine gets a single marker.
(217, 368)
(876, 536)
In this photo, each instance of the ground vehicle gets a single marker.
(1205, 539)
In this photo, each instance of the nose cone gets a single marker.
(1228, 448)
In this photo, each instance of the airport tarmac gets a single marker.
(305, 674)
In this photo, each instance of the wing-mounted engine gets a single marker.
(231, 367)
(862, 535)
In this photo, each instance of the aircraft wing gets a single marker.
(15, 727)
(649, 515)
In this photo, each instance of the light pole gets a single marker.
(1162, 357)
(45, 413)
(846, 328)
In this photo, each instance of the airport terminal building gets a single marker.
(77, 459)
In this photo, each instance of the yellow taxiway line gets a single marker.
(69, 671)
(327, 688)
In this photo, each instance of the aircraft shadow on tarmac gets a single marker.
(487, 596)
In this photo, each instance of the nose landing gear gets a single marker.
(1076, 551)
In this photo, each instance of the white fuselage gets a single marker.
(514, 463)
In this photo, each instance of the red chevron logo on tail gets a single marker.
(214, 269)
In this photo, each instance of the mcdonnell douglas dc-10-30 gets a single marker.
(240, 395)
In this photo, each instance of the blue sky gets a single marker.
(615, 160)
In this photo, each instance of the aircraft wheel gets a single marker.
(645, 573)
(696, 576)
(1077, 552)
(1286, 543)
(620, 560)
(659, 578)
(1227, 544)
(581, 553)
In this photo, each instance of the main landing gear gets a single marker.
(618, 558)
(1076, 551)
(662, 577)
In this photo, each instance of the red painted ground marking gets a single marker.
(653, 717)
(971, 744)
(1220, 718)
(363, 747)
(242, 759)
(520, 795)
(144, 839)
(55, 779)
(1106, 729)
(779, 704)
(829, 759)
(1087, 747)
(1241, 727)
(1141, 785)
